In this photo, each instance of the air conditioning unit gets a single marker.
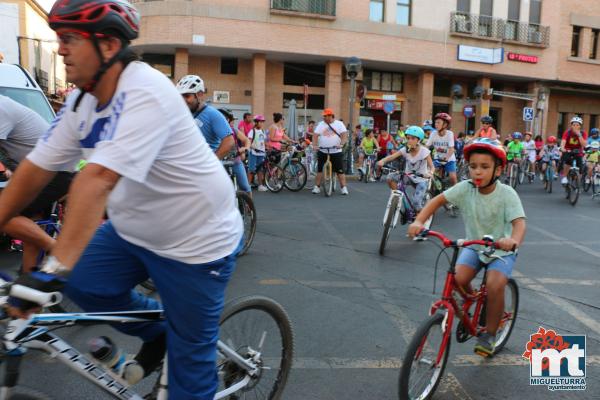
(535, 37)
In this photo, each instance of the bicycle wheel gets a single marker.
(259, 328)
(295, 176)
(428, 196)
(587, 183)
(548, 178)
(328, 178)
(513, 175)
(521, 173)
(274, 179)
(387, 224)
(368, 172)
(511, 308)
(420, 376)
(573, 187)
(596, 184)
(248, 211)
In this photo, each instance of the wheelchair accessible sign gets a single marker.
(527, 114)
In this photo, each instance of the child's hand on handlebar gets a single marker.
(415, 228)
(507, 244)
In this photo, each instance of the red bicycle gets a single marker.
(427, 353)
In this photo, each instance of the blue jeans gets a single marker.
(192, 296)
(241, 177)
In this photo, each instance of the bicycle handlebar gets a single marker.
(486, 241)
(26, 293)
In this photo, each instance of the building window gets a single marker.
(295, 74)
(165, 63)
(384, 81)
(442, 87)
(229, 66)
(403, 8)
(575, 41)
(561, 123)
(514, 10)
(486, 7)
(440, 108)
(486, 21)
(594, 48)
(535, 11)
(497, 86)
(593, 121)
(376, 11)
(315, 101)
(463, 6)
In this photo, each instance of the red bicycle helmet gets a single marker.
(551, 140)
(444, 117)
(489, 145)
(112, 17)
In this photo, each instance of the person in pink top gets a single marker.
(246, 124)
(277, 133)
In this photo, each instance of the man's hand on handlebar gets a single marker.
(37, 280)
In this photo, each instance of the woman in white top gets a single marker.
(418, 164)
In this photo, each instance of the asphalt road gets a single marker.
(354, 312)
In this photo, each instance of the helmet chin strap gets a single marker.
(104, 66)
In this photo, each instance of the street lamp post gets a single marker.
(353, 67)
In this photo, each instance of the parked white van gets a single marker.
(17, 84)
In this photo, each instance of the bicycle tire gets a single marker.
(586, 185)
(296, 172)
(548, 178)
(428, 196)
(368, 173)
(512, 175)
(573, 185)
(521, 174)
(506, 326)
(279, 316)
(327, 179)
(248, 211)
(274, 179)
(387, 224)
(595, 187)
(416, 344)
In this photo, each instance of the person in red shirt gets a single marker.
(246, 124)
(384, 139)
(572, 144)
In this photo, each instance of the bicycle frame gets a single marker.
(35, 333)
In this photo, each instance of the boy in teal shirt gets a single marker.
(488, 207)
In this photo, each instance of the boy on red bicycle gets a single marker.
(488, 207)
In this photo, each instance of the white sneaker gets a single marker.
(587, 181)
(564, 180)
(262, 188)
(316, 190)
(344, 190)
(541, 177)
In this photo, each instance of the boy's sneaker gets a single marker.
(485, 345)
(563, 180)
(262, 188)
(151, 354)
(344, 190)
(541, 177)
(316, 190)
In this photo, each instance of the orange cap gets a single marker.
(328, 111)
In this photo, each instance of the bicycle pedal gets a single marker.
(483, 353)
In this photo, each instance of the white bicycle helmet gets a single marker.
(190, 84)
(577, 119)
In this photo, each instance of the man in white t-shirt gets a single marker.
(330, 136)
(442, 141)
(173, 215)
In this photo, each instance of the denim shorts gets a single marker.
(470, 258)
(450, 166)
(255, 163)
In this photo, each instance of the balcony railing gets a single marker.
(482, 26)
(318, 7)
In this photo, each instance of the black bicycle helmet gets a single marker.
(487, 119)
(227, 113)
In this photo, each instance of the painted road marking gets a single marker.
(566, 241)
(562, 281)
(319, 284)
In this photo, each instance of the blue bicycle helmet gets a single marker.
(517, 135)
(415, 131)
(594, 131)
(426, 128)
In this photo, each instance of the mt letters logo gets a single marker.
(556, 361)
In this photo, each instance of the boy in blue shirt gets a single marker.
(488, 207)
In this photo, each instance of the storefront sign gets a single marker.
(522, 58)
(380, 104)
(480, 54)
